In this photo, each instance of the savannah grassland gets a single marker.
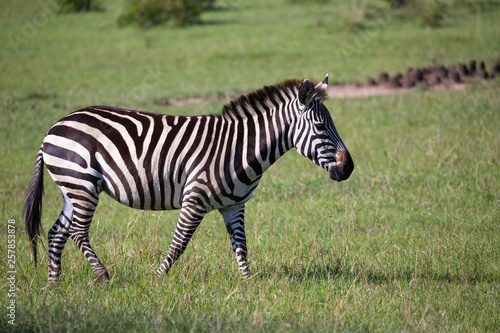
(409, 243)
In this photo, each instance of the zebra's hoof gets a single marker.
(103, 277)
(245, 274)
(53, 282)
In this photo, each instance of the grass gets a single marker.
(409, 243)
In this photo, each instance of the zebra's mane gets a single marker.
(268, 94)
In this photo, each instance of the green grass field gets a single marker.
(410, 243)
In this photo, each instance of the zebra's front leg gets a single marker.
(234, 218)
(189, 219)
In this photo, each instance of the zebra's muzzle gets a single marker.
(343, 168)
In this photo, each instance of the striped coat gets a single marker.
(162, 162)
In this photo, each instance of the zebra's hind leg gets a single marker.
(58, 235)
(234, 219)
(79, 231)
(189, 219)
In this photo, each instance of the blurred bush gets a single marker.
(431, 13)
(148, 13)
(305, 2)
(426, 13)
(71, 6)
(476, 5)
(368, 16)
(398, 3)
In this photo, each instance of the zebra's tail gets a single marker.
(32, 211)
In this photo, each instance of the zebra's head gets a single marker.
(315, 135)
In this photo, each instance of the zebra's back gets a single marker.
(143, 160)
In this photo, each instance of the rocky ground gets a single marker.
(436, 77)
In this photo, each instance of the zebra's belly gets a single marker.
(149, 196)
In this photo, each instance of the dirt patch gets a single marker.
(436, 78)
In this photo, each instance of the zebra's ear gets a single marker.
(306, 92)
(323, 85)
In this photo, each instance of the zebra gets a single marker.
(196, 164)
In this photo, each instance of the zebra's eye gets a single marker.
(320, 126)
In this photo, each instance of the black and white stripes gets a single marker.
(162, 162)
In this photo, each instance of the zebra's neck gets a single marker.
(264, 123)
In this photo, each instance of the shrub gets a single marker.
(431, 13)
(148, 13)
(366, 17)
(398, 3)
(70, 6)
(307, 2)
(476, 5)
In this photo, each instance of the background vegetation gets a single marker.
(148, 13)
(409, 243)
(74, 6)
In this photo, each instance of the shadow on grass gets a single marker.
(330, 272)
